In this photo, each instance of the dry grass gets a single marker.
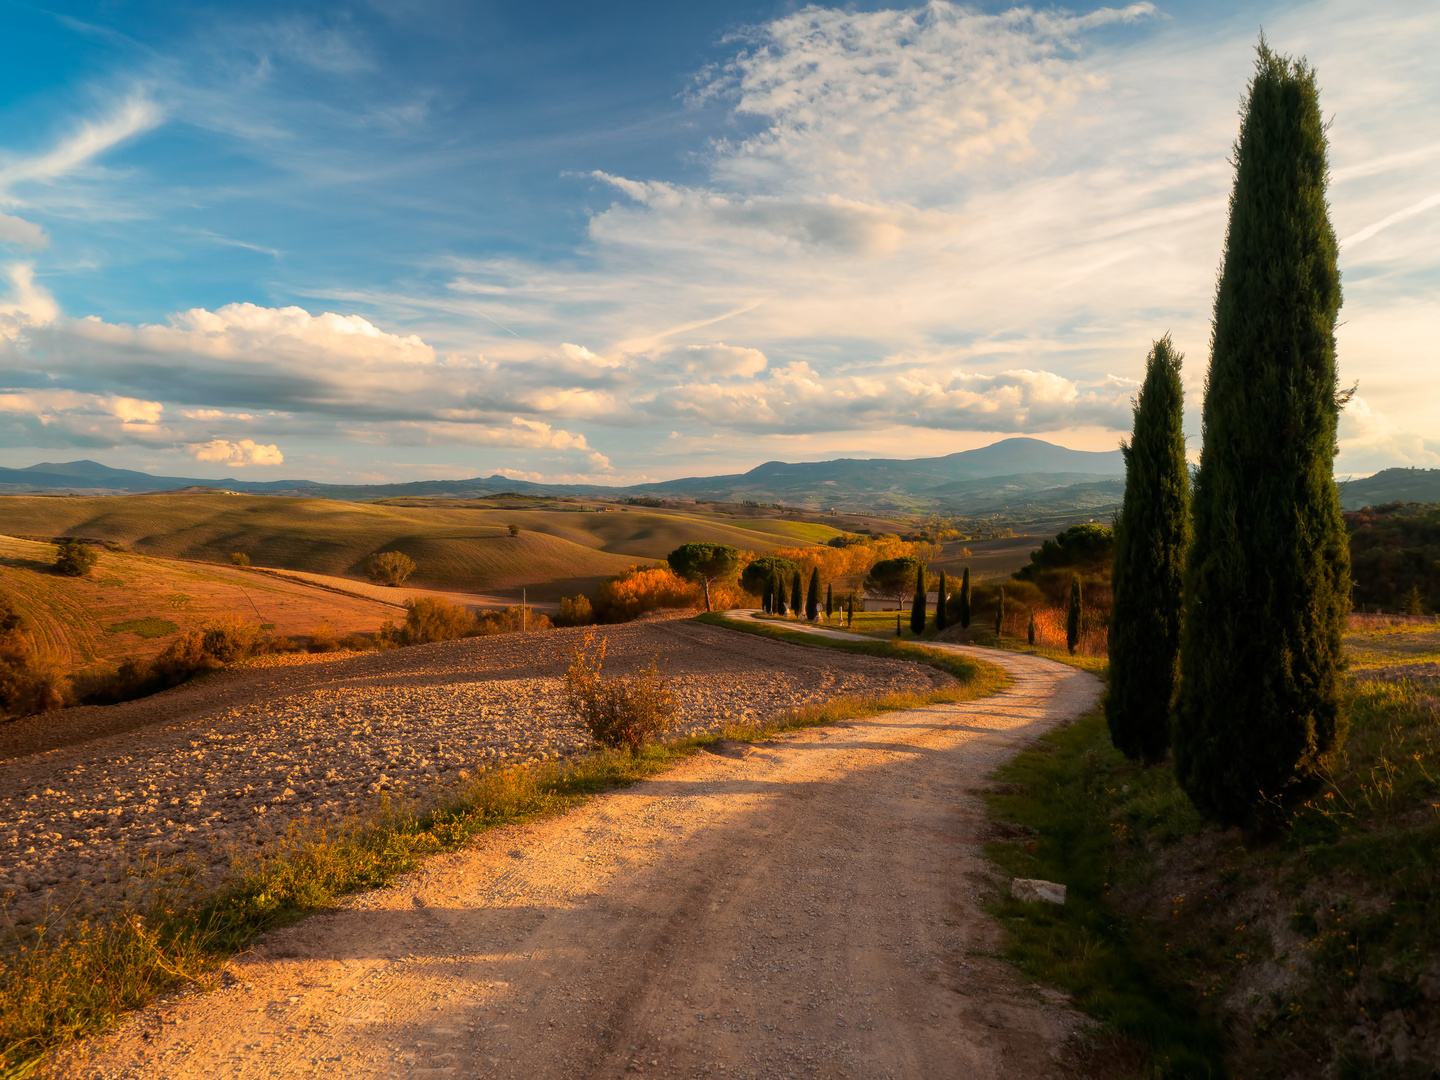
(133, 605)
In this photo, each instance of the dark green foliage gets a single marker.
(1084, 548)
(795, 593)
(1030, 630)
(850, 611)
(829, 600)
(941, 598)
(1395, 556)
(812, 596)
(75, 559)
(1073, 615)
(778, 585)
(705, 563)
(1152, 535)
(965, 599)
(758, 573)
(1000, 611)
(1268, 576)
(893, 578)
(918, 604)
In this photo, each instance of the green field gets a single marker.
(560, 550)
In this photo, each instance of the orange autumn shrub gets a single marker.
(642, 589)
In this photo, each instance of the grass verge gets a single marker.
(1055, 808)
(977, 677)
(54, 991)
(1309, 952)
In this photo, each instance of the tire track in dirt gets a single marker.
(808, 906)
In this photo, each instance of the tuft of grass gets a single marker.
(978, 677)
(54, 991)
(147, 628)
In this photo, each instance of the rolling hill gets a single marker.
(557, 552)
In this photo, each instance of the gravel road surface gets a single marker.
(231, 761)
(805, 907)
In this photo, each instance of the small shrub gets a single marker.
(390, 568)
(575, 611)
(239, 558)
(510, 620)
(641, 589)
(322, 638)
(230, 638)
(430, 618)
(514, 529)
(75, 559)
(618, 712)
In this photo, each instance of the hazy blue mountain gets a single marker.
(1392, 485)
(1022, 470)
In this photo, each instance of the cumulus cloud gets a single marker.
(14, 230)
(718, 361)
(237, 454)
(55, 418)
(1370, 440)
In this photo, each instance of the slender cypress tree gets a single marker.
(918, 605)
(940, 612)
(829, 600)
(795, 594)
(850, 608)
(779, 594)
(1152, 533)
(1030, 630)
(1072, 617)
(765, 594)
(1000, 611)
(965, 599)
(812, 596)
(1267, 578)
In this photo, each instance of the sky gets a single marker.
(611, 243)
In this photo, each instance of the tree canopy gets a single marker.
(705, 563)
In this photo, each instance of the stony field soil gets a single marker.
(234, 761)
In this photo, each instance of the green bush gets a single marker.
(239, 558)
(511, 620)
(75, 559)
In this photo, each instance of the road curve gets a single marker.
(804, 907)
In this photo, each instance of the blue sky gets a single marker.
(613, 242)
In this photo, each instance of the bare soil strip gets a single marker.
(808, 907)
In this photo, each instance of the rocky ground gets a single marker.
(235, 760)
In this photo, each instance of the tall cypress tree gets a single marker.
(795, 594)
(812, 596)
(965, 599)
(1072, 616)
(1000, 612)
(1152, 534)
(1266, 585)
(918, 605)
(940, 612)
(779, 585)
(829, 600)
(765, 594)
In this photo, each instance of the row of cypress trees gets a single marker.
(1230, 594)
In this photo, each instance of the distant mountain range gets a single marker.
(1028, 479)
(988, 480)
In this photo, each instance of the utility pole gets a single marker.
(524, 611)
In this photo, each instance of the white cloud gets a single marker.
(14, 230)
(1370, 441)
(719, 361)
(92, 138)
(29, 305)
(237, 454)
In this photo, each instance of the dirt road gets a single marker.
(805, 907)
